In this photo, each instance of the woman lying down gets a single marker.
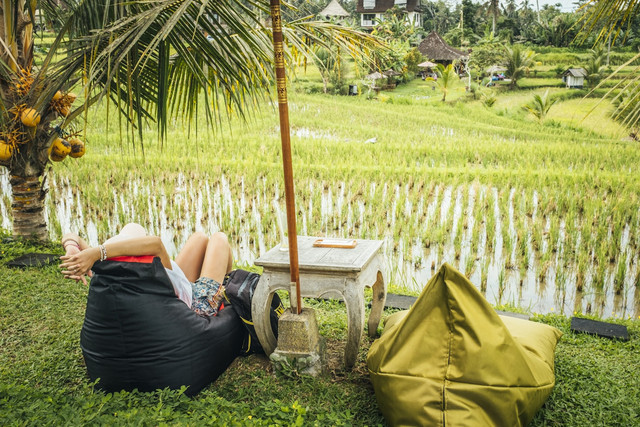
(197, 274)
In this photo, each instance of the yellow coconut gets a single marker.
(57, 158)
(30, 117)
(71, 97)
(6, 151)
(60, 148)
(77, 147)
(64, 109)
(57, 97)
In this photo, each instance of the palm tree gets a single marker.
(494, 10)
(627, 110)
(517, 60)
(595, 64)
(610, 18)
(540, 105)
(447, 78)
(152, 59)
(395, 27)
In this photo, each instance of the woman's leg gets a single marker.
(129, 231)
(192, 255)
(217, 258)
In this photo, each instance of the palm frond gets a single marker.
(608, 18)
(617, 91)
(159, 57)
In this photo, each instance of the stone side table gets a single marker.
(324, 272)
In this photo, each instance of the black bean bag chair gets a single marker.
(138, 335)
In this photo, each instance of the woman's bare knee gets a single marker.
(199, 236)
(219, 237)
(216, 260)
(133, 229)
(191, 257)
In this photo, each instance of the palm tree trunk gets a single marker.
(495, 4)
(28, 207)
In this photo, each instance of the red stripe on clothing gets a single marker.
(145, 259)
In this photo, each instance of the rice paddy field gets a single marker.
(540, 216)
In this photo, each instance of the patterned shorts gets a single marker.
(207, 296)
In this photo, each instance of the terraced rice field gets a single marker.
(544, 217)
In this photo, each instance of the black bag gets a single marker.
(138, 335)
(239, 288)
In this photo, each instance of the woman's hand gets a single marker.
(77, 264)
(72, 249)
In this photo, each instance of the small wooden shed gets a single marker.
(574, 77)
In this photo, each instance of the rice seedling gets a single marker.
(621, 274)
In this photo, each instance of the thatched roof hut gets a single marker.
(374, 76)
(391, 73)
(496, 69)
(436, 49)
(334, 9)
(427, 64)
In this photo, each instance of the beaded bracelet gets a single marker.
(103, 252)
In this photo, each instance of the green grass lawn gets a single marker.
(43, 379)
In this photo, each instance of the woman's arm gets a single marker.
(72, 240)
(80, 264)
(73, 244)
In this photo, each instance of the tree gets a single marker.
(438, 16)
(608, 18)
(614, 18)
(330, 66)
(447, 78)
(304, 8)
(595, 64)
(487, 52)
(517, 60)
(151, 59)
(540, 105)
(411, 60)
(627, 110)
(494, 10)
(395, 26)
(472, 16)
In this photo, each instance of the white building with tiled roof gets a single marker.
(372, 10)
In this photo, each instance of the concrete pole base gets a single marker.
(300, 348)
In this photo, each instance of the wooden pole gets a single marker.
(285, 136)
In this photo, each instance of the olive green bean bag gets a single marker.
(451, 360)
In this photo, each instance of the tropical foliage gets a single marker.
(517, 61)
(540, 105)
(618, 20)
(610, 19)
(411, 59)
(395, 26)
(627, 109)
(447, 79)
(595, 64)
(151, 59)
(487, 52)
(330, 65)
